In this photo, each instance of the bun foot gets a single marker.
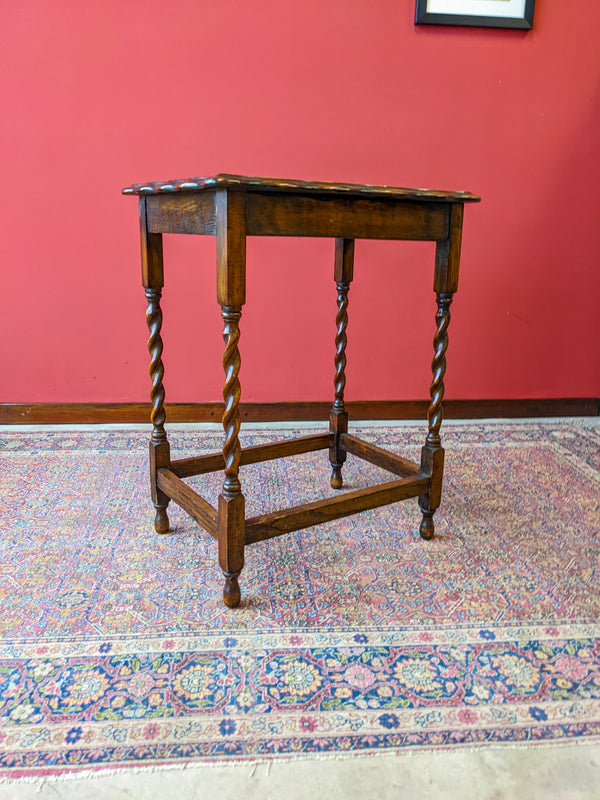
(231, 590)
(336, 480)
(161, 521)
(427, 528)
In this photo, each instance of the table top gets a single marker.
(265, 185)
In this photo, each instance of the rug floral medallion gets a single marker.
(355, 636)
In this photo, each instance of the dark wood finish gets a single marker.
(230, 534)
(231, 250)
(198, 508)
(231, 499)
(276, 207)
(159, 446)
(447, 254)
(268, 526)
(296, 187)
(129, 413)
(445, 284)
(153, 280)
(190, 213)
(338, 418)
(232, 207)
(380, 457)
(231, 394)
(152, 253)
(432, 457)
(438, 368)
(187, 467)
(351, 217)
(231, 295)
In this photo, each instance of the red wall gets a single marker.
(99, 94)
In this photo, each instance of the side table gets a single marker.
(232, 207)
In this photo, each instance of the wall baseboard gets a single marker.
(103, 413)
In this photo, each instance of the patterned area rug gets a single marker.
(352, 636)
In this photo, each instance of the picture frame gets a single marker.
(476, 13)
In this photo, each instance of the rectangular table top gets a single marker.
(265, 185)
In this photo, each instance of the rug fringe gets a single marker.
(255, 763)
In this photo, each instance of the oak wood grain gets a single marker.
(198, 508)
(346, 217)
(192, 213)
(268, 526)
(378, 456)
(292, 186)
(212, 462)
(304, 411)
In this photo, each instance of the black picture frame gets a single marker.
(424, 17)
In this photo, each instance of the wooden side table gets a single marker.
(232, 207)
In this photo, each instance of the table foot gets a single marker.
(336, 480)
(161, 520)
(427, 528)
(231, 590)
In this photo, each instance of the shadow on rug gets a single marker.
(356, 636)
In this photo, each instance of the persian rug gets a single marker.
(354, 636)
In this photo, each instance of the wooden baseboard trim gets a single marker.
(103, 413)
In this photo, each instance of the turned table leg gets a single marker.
(338, 418)
(231, 295)
(159, 446)
(231, 520)
(432, 457)
(153, 281)
(445, 283)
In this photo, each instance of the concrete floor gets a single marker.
(554, 772)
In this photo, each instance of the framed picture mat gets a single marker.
(476, 13)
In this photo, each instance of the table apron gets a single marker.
(271, 214)
(345, 217)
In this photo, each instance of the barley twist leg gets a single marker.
(231, 501)
(159, 446)
(432, 459)
(339, 416)
(231, 396)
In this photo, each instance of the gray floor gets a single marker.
(548, 772)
